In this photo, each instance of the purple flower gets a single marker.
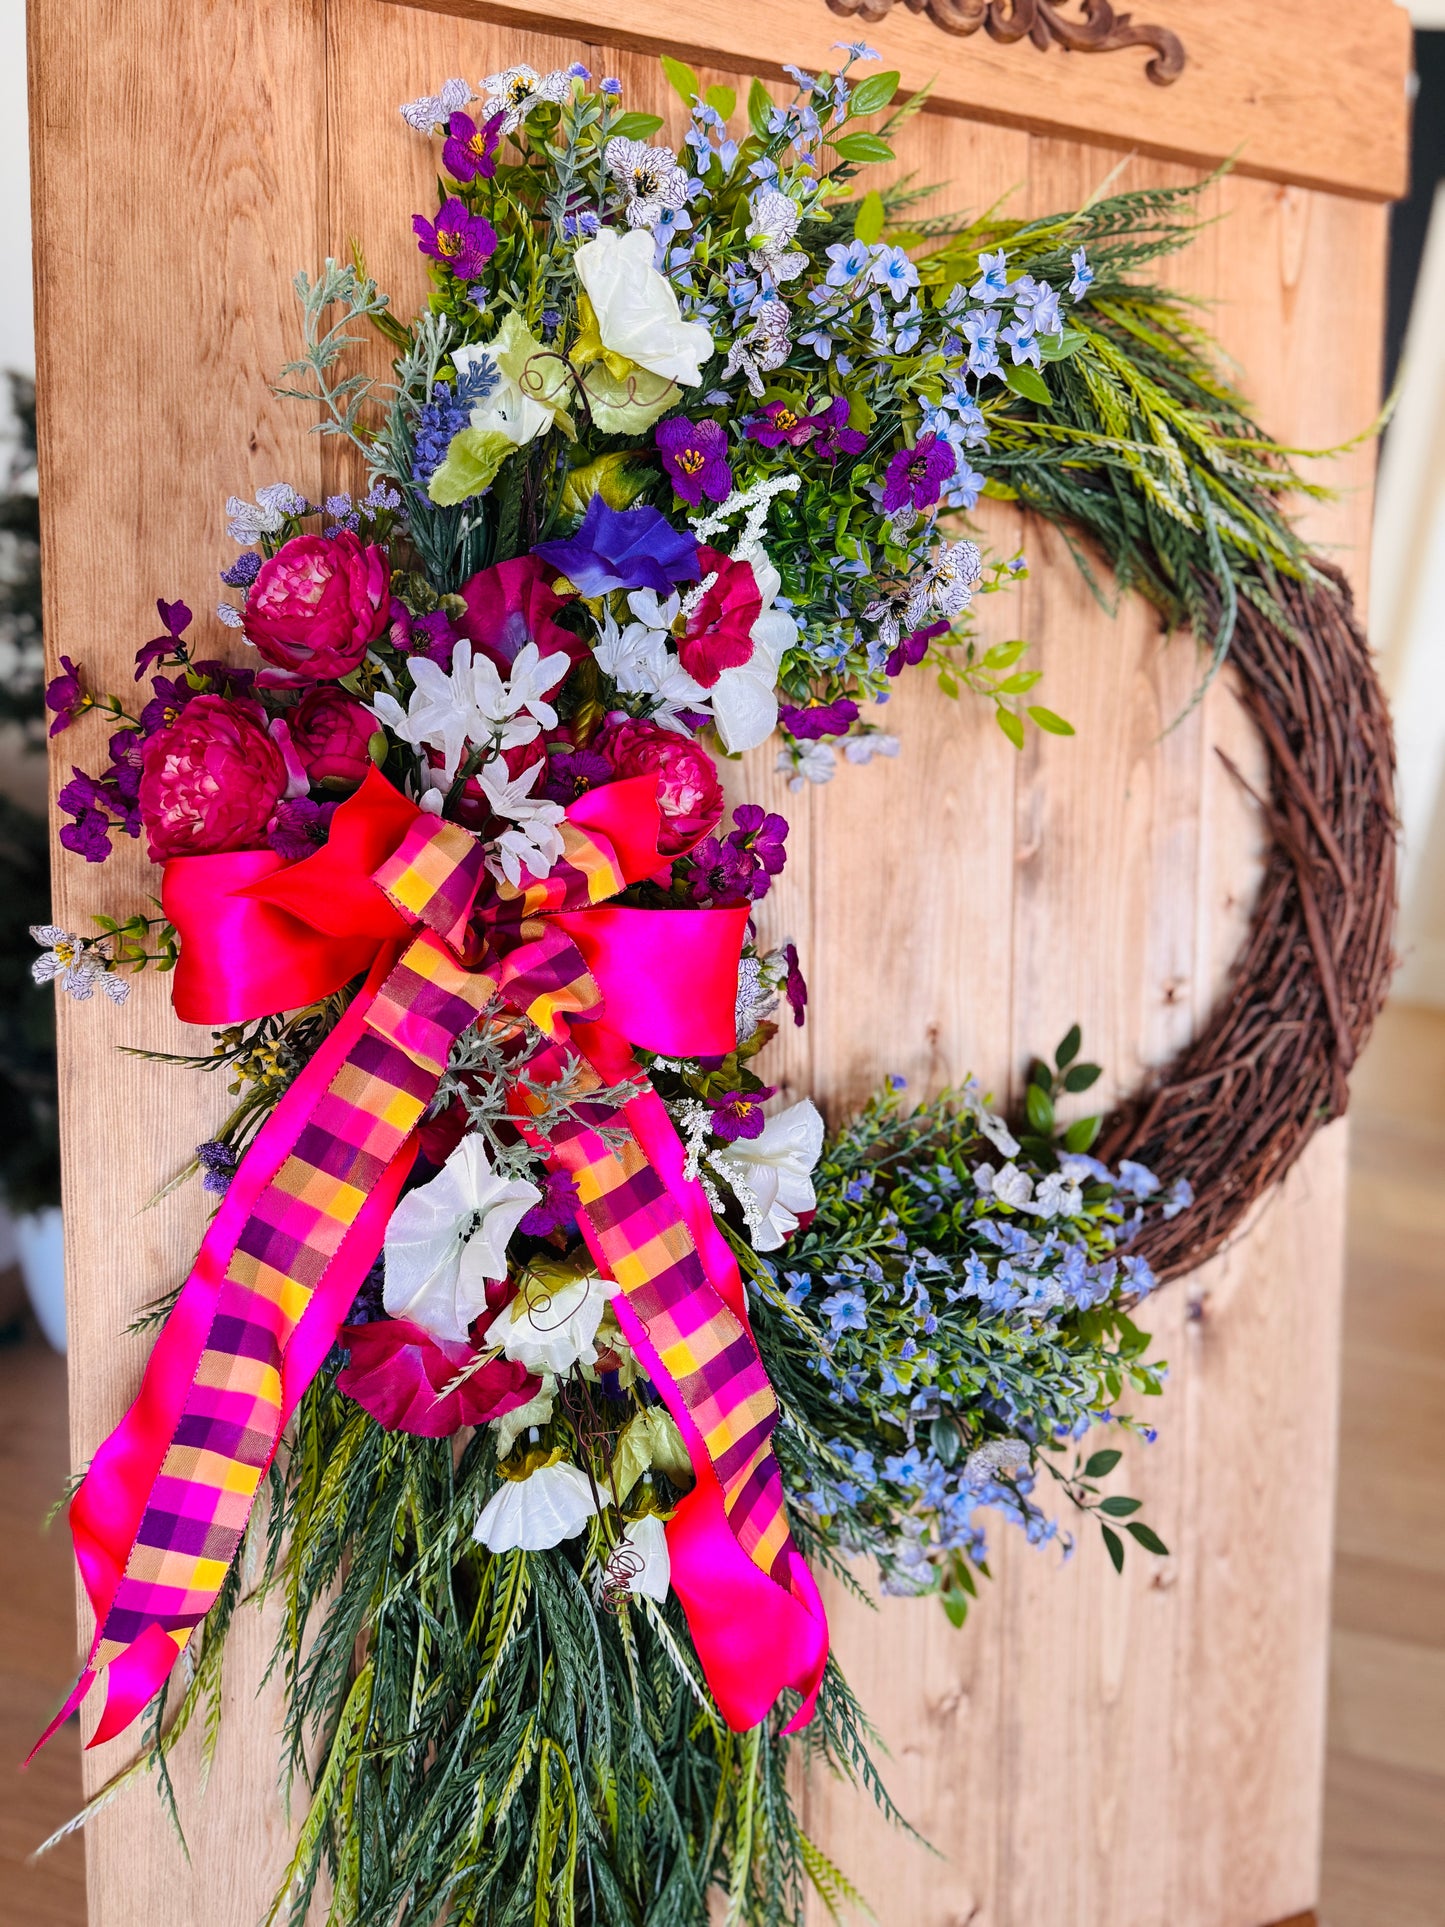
(558, 1208)
(572, 772)
(913, 648)
(720, 873)
(835, 437)
(170, 694)
(915, 476)
(763, 834)
(820, 719)
(433, 636)
(175, 617)
(95, 808)
(795, 987)
(624, 549)
(459, 239)
(736, 1116)
(65, 694)
(612, 88)
(218, 1166)
(781, 423)
(469, 151)
(243, 571)
(694, 455)
(299, 827)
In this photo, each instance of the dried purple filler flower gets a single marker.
(218, 1166)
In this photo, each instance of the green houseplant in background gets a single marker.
(29, 1137)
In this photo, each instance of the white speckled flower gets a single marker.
(447, 1238)
(650, 178)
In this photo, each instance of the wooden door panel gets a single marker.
(1088, 1749)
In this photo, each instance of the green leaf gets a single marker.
(956, 1606)
(683, 79)
(1081, 1076)
(1018, 684)
(1010, 725)
(1028, 382)
(636, 127)
(1120, 1508)
(724, 99)
(1046, 719)
(1040, 1109)
(1101, 1464)
(1148, 1539)
(1003, 655)
(760, 105)
(868, 222)
(1060, 347)
(864, 147)
(870, 96)
(946, 1443)
(472, 460)
(1081, 1135)
(1040, 1074)
(1069, 1049)
(1115, 1545)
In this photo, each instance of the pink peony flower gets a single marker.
(398, 1372)
(688, 791)
(720, 629)
(332, 731)
(210, 780)
(317, 604)
(514, 603)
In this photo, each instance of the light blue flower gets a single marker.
(1136, 1180)
(799, 1285)
(966, 487)
(1043, 308)
(1020, 338)
(857, 1189)
(992, 277)
(856, 49)
(981, 331)
(846, 1311)
(1140, 1274)
(849, 259)
(906, 1469)
(1083, 274)
(1179, 1198)
(892, 269)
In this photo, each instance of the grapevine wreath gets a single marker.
(562, 1360)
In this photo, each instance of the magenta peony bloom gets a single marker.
(513, 603)
(459, 239)
(469, 152)
(332, 733)
(694, 454)
(210, 780)
(688, 791)
(317, 604)
(720, 630)
(398, 1372)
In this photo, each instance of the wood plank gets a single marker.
(1321, 102)
(177, 181)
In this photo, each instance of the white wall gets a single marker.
(17, 315)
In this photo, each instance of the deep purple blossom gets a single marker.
(624, 549)
(763, 833)
(97, 810)
(914, 647)
(739, 1116)
(795, 987)
(299, 827)
(175, 618)
(694, 455)
(915, 476)
(459, 239)
(65, 694)
(835, 437)
(572, 772)
(820, 719)
(557, 1210)
(434, 635)
(170, 694)
(469, 152)
(780, 423)
(720, 873)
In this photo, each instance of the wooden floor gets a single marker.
(1385, 1804)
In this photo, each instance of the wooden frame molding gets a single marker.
(1098, 31)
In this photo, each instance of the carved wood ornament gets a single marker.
(1099, 30)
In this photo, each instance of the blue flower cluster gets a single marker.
(444, 414)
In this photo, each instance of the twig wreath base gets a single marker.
(1238, 1106)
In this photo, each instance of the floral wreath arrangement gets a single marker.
(560, 1357)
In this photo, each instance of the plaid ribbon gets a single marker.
(328, 1170)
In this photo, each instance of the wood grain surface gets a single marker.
(1089, 1750)
(1295, 91)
